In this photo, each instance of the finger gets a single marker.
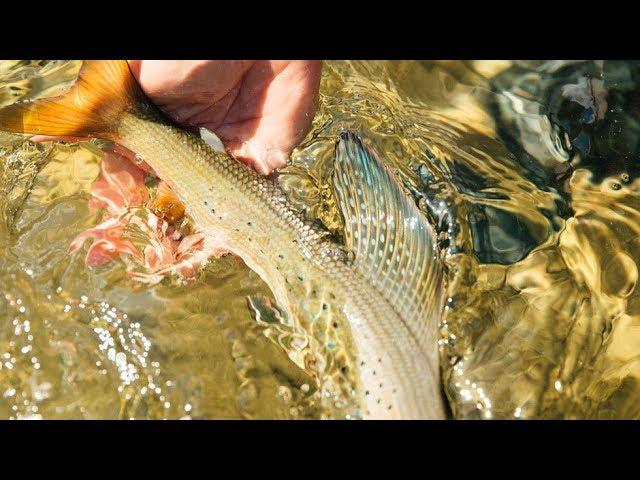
(125, 152)
(114, 148)
(262, 158)
(133, 157)
(119, 149)
(286, 111)
(50, 138)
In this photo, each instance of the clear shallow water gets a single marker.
(535, 162)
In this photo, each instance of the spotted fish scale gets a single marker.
(384, 303)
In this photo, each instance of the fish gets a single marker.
(382, 285)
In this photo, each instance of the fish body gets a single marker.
(382, 289)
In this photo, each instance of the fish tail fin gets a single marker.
(93, 107)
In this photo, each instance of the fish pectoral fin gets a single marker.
(93, 106)
(394, 245)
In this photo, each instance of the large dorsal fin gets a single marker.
(394, 245)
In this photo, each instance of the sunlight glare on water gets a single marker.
(528, 169)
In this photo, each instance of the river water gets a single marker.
(535, 162)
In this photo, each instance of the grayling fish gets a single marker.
(383, 287)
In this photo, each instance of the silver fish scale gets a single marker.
(308, 274)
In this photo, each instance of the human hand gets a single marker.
(259, 109)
